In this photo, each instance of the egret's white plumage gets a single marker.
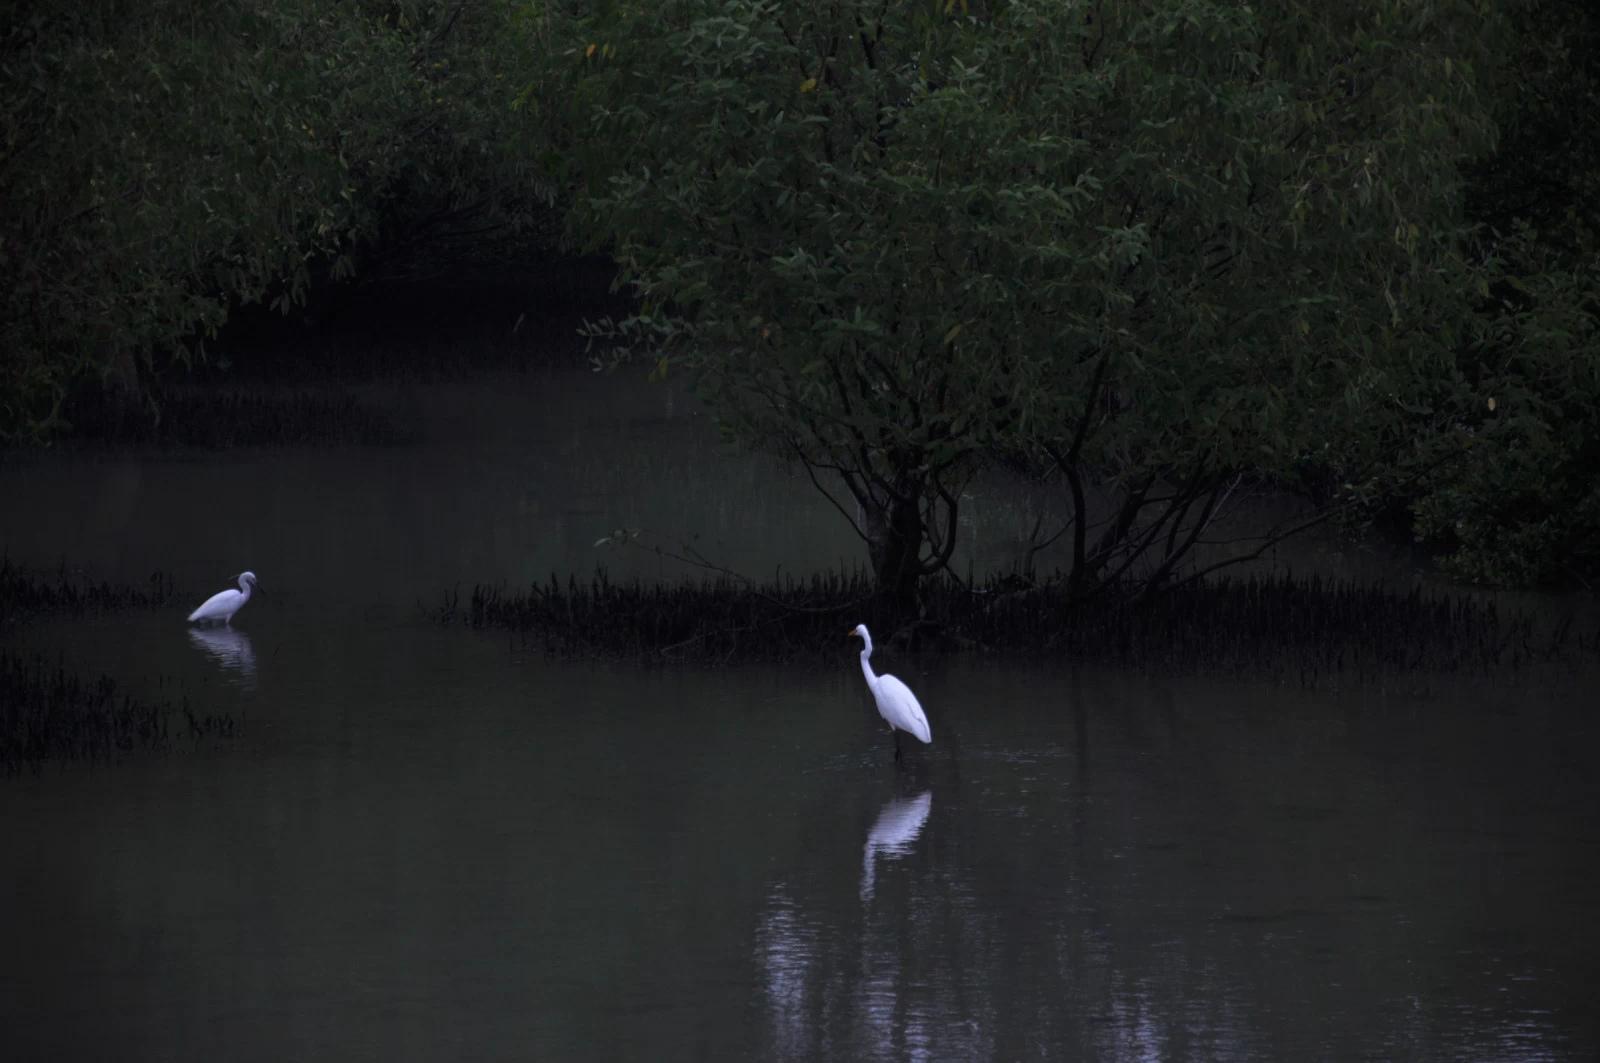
(896, 704)
(222, 605)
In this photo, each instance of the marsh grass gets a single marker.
(24, 594)
(1277, 628)
(48, 714)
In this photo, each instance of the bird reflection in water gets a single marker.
(892, 835)
(822, 984)
(231, 649)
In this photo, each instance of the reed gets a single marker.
(49, 714)
(24, 594)
(1276, 627)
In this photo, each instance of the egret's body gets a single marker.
(222, 605)
(896, 704)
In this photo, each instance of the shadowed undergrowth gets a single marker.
(220, 419)
(48, 714)
(1277, 628)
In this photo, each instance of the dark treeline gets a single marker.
(1149, 255)
(167, 165)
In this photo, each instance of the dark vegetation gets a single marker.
(1145, 253)
(310, 379)
(24, 595)
(166, 165)
(368, 329)
(219, 419)
(49, 713)
(1312, 632)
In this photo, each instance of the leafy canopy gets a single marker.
(164, 162)
(1159, 243)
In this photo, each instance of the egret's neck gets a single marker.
(866, 666)
(244, 588)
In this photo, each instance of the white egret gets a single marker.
(222, 605)
(896, 704)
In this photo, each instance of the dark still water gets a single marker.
(427, 843)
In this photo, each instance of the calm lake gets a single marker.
(430, 843)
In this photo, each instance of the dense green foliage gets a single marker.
(1157, 247)
(1154, 253)
(165, 162)
(1521, 503)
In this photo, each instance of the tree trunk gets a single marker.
(894, 542)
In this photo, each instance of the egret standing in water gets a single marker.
(222, 605)
(896, 704)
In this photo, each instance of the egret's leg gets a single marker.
(895, 731)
